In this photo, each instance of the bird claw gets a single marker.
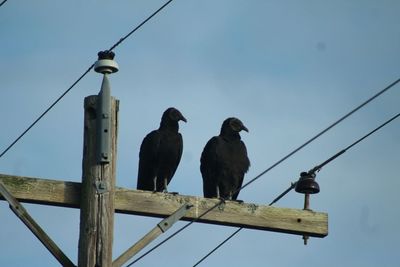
(222, 199)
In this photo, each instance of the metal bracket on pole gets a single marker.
(163, 226)
(103, 119)
(105, 65)
(101, 187)
(24, 216)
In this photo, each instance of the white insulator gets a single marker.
(106, 66)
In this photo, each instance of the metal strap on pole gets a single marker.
(160, 228)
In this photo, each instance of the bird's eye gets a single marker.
(236, 125)
(174, 115)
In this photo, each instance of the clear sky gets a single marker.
(287, 69)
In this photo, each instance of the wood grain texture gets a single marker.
(97, 191)
(246, 215)
(43, 191)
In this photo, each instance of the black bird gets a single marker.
(224, 162)
(160, 153)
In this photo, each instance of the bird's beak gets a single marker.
(183, 119)
(244, 128)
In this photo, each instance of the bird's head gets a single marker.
(173, 115)
(233, 125)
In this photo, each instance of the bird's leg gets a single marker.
(155, 184)
(165, 185)
(166, 188)
(217, 190)
(218, 195)
(236, 200)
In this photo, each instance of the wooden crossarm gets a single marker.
(231, 213)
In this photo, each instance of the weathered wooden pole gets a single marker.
(98, 175)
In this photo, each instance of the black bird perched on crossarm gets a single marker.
(160, 153)
(224, 162)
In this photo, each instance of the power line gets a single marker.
(80, 78)
(186, 226)
(293, 185)
(217, 247)
(2, 3)
(321, 133)
(175, 233)
(274, 165)
(241, 228)
(46, 111)
(138, 27)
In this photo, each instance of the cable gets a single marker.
(175, 233)
(46, 111)
(321, 133)
(217, 247)
(275, 164)
(239, 229)
(79, 79)
(138, 27)
(293, 185)
(2, 3)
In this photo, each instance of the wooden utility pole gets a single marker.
(97, 195)
(98, 174)
(98, 198)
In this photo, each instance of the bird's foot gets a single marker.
(222, 199)
(238, 201)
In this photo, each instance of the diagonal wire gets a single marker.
(139, 26)
(176, 232)
(321, 133)
(217, 247)
(46, 111)
(2, 3)
(241, 228)
(293, 185)
(274, 165)
(79, 79)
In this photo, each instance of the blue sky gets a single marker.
(287, 69)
